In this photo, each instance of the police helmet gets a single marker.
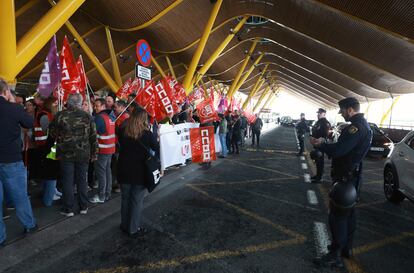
(315, 154)
(342, 197)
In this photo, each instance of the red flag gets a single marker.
(70, 74)
(251, 118)
(195, 95)
(124, 91)
(145, 95)
(169, 88)
(178, 90)
(82, 76)
(135, 86)
(167, 105)
(202, 144)
(206, 111)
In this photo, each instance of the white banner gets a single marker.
(175, 145)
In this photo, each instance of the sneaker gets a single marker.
(96, 199)
(58, 193)
(28, 231)
(67, 212)
(95, 186)
(139, 233)
(83, 210)
(332, 259)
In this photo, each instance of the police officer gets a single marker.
(301, 129)
(320, 130)
(347, 155)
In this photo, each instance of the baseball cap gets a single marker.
(321, 110)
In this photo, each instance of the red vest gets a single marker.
(106, 142)
(121, 119)
(40, 137)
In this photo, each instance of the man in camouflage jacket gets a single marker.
(76, 144)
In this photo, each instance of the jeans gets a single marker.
(131, 206)
(103, 174)
(74, 173)
(13, 182)
(49, 191)
(223, 144)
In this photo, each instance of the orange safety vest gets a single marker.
(40, 137)
(106, 142)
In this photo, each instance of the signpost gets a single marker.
(143, 51)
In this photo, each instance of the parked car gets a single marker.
(286, 121)
(380, 145)
(399, 171)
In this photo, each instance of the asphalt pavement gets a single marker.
(253, 212)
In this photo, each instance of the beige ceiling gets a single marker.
(322, 50)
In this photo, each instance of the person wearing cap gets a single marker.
(301, 129)
(347, 155)
(320, 129)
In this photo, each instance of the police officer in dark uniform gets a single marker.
(301, 129)
(347, 154)
(320, 129)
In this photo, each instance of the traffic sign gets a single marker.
(143, 52)
(142, 72)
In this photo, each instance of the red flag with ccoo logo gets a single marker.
(202, 144)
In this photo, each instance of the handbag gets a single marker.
(152, 169)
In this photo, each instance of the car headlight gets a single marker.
(390, 146)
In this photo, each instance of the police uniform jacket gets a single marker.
(301, 127)
(321, 128)
(352, 146)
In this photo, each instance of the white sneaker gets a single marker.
(58, 193)
(83, 211)
(56, 197)
(96, 199)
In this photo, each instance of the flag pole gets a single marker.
(86, 86)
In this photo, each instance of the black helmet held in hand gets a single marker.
(342, 197)
(315, 154)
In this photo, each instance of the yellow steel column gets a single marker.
(239, 74)
(261, 98)
(256, 87)
(115, 66)
(158, 67)
(206, 66)
(101, 69)
(26, 7)
(204, 87)
(33, 41)
(170, 66)
(247, 74)
(8, 43)
(271, 96)
(384, 117)
(197, 54)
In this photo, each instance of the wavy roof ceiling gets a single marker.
(322, 50)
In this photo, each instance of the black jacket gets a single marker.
(12, 118)
(321, 128)
(132, 156)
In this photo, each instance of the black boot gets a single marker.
(332, 259)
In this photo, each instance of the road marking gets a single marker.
(322, 238)
(262, 168)
(307, 178)
(313, 200)
(302, 158)
(304, 166)
(272, 180)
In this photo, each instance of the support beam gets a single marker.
(197, 54)
(101, 69)
(26, 7)
(170, 66)
(247, 74)
(261, 98)
(8, 43)
(389, 111)
(253, 92)
(271, 96)
(115, 67)
(205, 88)
(34, 40)
(206, 66)
(239, 74)
(158, 67)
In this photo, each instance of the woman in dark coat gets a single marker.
(236, 134)
(133, 136)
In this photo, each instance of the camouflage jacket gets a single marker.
(75, 134)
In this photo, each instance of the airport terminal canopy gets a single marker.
(322, 50)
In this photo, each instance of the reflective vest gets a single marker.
(106, 142)
(40, 137)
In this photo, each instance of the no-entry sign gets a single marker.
(143, 51)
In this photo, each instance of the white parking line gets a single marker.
(322, 238)
(302, 158)
(312, 199)
(307, 178)
(304, 166)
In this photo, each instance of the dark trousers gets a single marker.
(74, 173)
(301, 144)
(235, 145)
(228, 141)
(320, 162)
(342, 229)
(256, 134)
(131, 206)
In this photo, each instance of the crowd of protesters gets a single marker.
(77, 150)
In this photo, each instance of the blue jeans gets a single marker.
(223, 144)
(103, 174)
(49, 191)
(13, 182)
